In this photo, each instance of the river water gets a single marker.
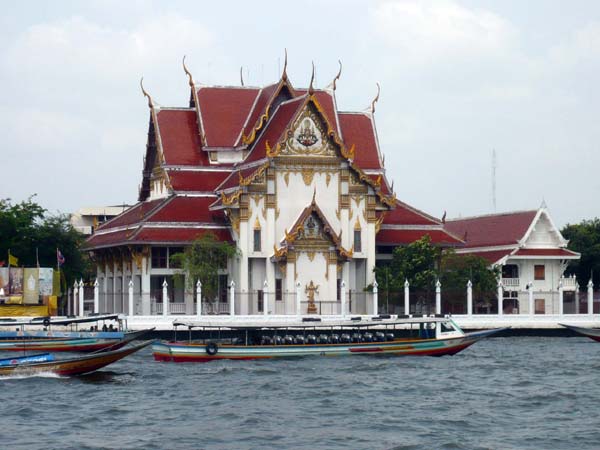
(502, 393)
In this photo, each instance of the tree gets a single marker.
(584, 238)
(202, 261)
(456, 270)
(30, 233)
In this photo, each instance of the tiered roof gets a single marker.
(250, 121)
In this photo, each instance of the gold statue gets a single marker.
(310, 290)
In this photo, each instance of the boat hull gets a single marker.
(190, 352)
(592, 333)
(73, 366)
(67, 344)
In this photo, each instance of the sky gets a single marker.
(459, 79)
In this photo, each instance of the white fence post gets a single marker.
(81, 312)
(198, 298)
(232, 298)
(130, 299)
(438, 297)
(500, 294)
(590, 293)
(265, 298)
(406, 297)
(531, 304)
(96, 297)
(469, 298)
(298, 299)
(75, 299)
(165, 296)
(343, 298)
(375, 298)
(560, 297)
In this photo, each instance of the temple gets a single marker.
(299, 186)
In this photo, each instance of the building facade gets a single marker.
(298, 186)
(533, 256)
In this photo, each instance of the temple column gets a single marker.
(269, 243)
(242, 284)
(560, 297)
(500, 296)
(531, 303)
(188, 295)
(438, 297)
(370, 253)
(145, 286)
(590, 292)
(469, 298)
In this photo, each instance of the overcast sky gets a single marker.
(458, 79)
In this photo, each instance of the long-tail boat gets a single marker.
(432, 335)
(52, 340)
(36, 364)
(592, 333)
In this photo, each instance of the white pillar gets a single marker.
(438, 297)
(232, 298)
(75, 298)
(96, 297)
(265, 298)
(577, 298)
(343, 298)
(198, 298)
(469, 298)
(560, 296)
(81, 312)
(375, 298)
(590, 293)
(298, 299)
(165, 296)
(531, 304)
(500, 294)
(130, 298)
(406, 297)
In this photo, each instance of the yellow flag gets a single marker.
(12, 260)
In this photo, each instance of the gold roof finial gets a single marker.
(311, 89)
(375, 99)
(314, 196)
(150, 102)
(241, 76)
(284, 73)
(337, 77)
(185, 69)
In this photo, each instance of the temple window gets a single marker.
(539, 272)
(339, 289)
(257, 239)
(279, 289)
(159, 257)
(510, 271)
(357, 241)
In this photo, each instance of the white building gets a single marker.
(533, 256)
(87, 219)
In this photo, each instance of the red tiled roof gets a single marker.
(546, 252)
(406, 236)
(233, 179)
(357, 129)
(492, 256)
(180, 138)
(496, 229)
(133, 215)
(164, 235)
(259, 107)
(224, 111)
(407, 215)
(108, 239)
(201, 181)
(185, 209)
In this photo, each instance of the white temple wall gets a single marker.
(315, 271)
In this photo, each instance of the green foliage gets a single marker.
(26, 226)
(584, 238)
(202, 261)
(422, 264)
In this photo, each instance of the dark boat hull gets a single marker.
(73, 366)
(592, 333)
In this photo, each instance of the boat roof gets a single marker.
(312, 324)
(7, 322)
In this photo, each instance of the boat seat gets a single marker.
(299, 339)
(311, 339)
(323, 339)
(379, 336)
(356, 337)
(288, 339)
(345, 338)
(334, 339)
(389, 336)
(368, 337)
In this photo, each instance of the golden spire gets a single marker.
(241, 76)
(284, 73)
(337, 77)
(185, 69)
(150, 103)
(314, 196)
(375, 99)
(311, 89)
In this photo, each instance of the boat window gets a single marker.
(447, 327)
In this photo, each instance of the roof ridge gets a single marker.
(481, 216)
